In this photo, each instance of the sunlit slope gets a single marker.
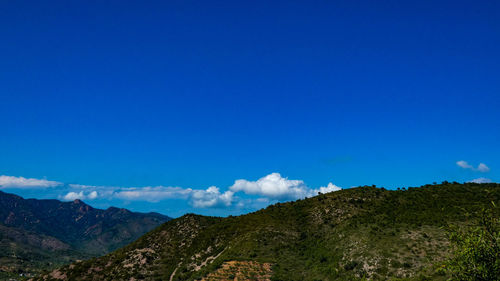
(344, 235)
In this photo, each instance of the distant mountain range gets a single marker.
(364, 233)
(38, 234)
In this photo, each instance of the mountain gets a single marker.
(361, 232)
(36, 234)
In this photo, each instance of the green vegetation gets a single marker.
(476, 250)
(360, 233)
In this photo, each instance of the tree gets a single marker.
(476, 250)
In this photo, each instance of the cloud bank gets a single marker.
(270, 188)
(199, 198)
(151, 194)
(21, 182)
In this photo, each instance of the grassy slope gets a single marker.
(342, 235)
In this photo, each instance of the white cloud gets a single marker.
(271, 188)
(326, 189)
(483, 168)
(481, 180)
(480, 168)
(70, 196)
(211, 197)
(464, 164)
(92, 195)
(152, 194)
(21, 182)
(81, 186)
(274, 186)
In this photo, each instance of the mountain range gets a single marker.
(359, 233)
(40, 234)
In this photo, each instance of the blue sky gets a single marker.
(193, 94)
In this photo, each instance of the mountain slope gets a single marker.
(345, 235)
(37, 233)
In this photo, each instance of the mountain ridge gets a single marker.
(37, 234)
(363, 232)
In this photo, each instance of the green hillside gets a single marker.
(364, 232)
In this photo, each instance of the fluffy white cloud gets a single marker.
(326, 189)
(92, 195)
(481, 180)
(211, 197)
(480, 168)
(274, 186)
(70, 196)
(21, 182)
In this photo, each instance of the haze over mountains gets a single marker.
(36, 234)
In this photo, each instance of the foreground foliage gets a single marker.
(476, 250)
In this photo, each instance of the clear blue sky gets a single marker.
(193, 94)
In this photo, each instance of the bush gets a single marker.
(476, 251)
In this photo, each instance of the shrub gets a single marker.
(476, 250)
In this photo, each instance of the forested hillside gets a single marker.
(364, 232)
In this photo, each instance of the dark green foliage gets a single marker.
(476, 250)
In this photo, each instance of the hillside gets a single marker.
(37, 234)
(345, 235)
